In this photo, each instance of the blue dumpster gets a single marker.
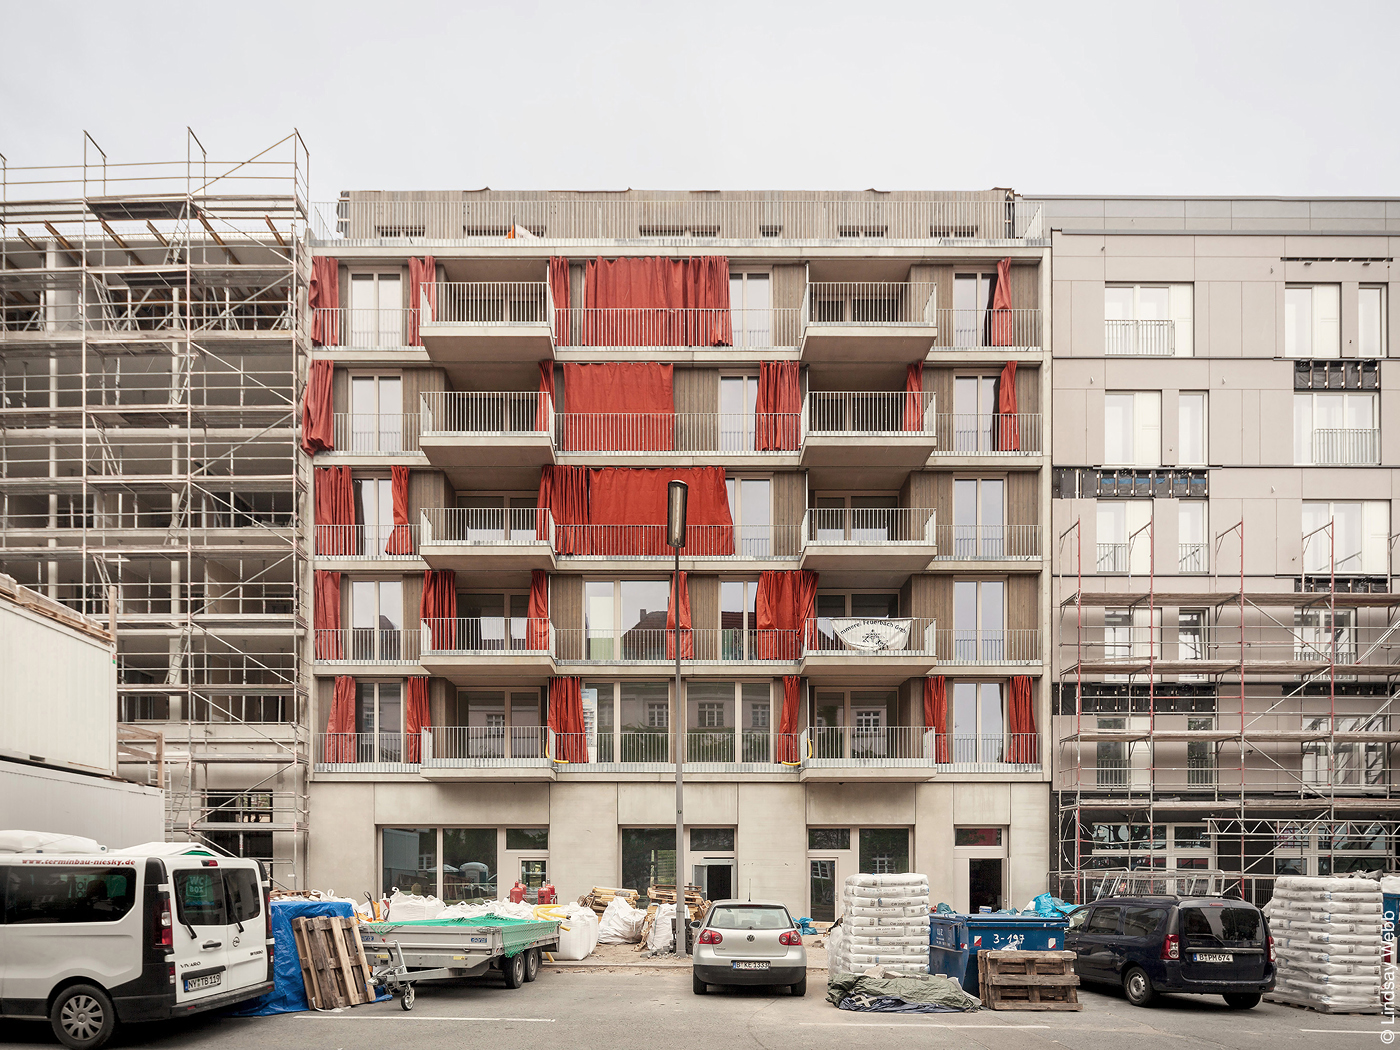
(954, 941)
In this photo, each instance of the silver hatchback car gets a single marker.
(748, 942)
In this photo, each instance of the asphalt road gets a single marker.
(656, 1010)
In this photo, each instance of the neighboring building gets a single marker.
(486, 341)
(59, 738)
(1223, 482)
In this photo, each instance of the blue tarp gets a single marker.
(288, 994)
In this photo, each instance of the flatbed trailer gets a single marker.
(404, 953)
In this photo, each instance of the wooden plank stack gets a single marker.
(1010, 980)
(333, 965)
(600, 897)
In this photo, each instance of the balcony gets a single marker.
(848, 428)
(462, 752)
(867, 321)
(510, 428)
(974, 436)
(988, 543)
(679, 438)
(639, 646)
(495, 322)
(367, 646)
(883, 747)
(375, 434)
(366, 753)
(365, 330)
(366, 543)
(467, 649)
(988, 333)
(718, 749)
(707, 547)
(1139, 337)
(885, 539)
(1191, 558)
(904, 647)
(1350, 447)
(487, 539)
(666, 333)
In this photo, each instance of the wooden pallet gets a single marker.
(333, 965)
(1009, 980)
(1300, 1003)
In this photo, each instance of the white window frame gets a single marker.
(379, 324)
(1121, 554)
(1143, 414)
(1324, 332)
(1138, 336)
(1371, 343)
(375, 431)
(1373, 559)
(1192, 556)
(743, 315)
(1184, 456)
(1352, 451)
(754, 540)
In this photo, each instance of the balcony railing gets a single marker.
(367, 645)
(488, 635)
(755, 542)
(987, 434)
(920, 746)
(866, 527)
(1346, 448)
(1190, 557)
(717, 748)
(487, 746)
(372, 542)
(487, 526)
(657, 645)
(700, 327)
(979, 329)
(1139, 337)
(869, 413)
(1012, 646)
(647, 433)
(990, 753)
(374, 434)
(1112, 557)
(988, 542)
(871, 303)
(487, 413)
(500, 303)
(367, 753)
(364, 329)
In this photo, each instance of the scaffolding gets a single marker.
(1252, 737)
(152, 355)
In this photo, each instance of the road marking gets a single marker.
(402, 1016)
(922, 1024)
(1337, 1031)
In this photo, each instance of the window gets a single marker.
(376, 620)
(1370, 321)
(972, 300)
(1142, 922)
(648, 858)
(750, 306)
(979, 620)
(625, 619)
(1132, 434)
(857, 605)
(1147, 320)
(884, 851)
(67, 893)
(751, 506)
(978, 724)
(1359, 532)
(374, 510)
(243, 890)
(1335, 429)
(410, 860)
(738, 400)
(712, 839)
(860, 724)
(1191, 636)
(376, 415)
(738, 618)
(823, 839)
(1192, 549)
(493, 621)
(1122, 544)
(469, 864)
(496, 518)
(750, 917)
(974, 413)
(979, 518)
(712, 722)
(1191, 429)
(977, 836)
(1200, 754)
(376, 310)
(379, 721)
(1103, 920)
(858, 519)
(199, 897)
(1312, 320)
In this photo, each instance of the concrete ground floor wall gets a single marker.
(792, 842)
(113, 812)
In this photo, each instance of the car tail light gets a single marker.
(1171, 947)
(710, 937)
(1271, 950)
(165, 926)
(170, 974)
(790, 937)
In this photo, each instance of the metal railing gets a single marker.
(1139, 337)
(364, 329)
(987, 542)
(755, 542)
(1351, 447)
(920, 746)
(869, 413)
(657, 644)
(487, 526)
(868, 527)
(646, 433)
(376, 542)
(987, 434)
(1112, 557)
(737, 327)
(871, 303)
(629, 749)
(367, 645)
(376, 434)
(871, 636)
(1190, 557)
(978, 329)
(989, 753)
(367, 753)
(488, 635)
(486, 746)
(488, 413)
(1011, 646)
(523, 221)
(487, 303)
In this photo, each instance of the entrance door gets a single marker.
(715, 876)
(984, 883)
(824, 890)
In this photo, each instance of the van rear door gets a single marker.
(246, 935)
(1223, 941)
(201, 928)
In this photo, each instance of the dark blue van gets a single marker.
(1198, 945)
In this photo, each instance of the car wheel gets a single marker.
(1137, 987)
(1241, 1000)
(800, 988)
(698, 986)
(513, 970)
(532, 964)
(83, 1017)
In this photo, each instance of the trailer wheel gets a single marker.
(532, 964)
(406, 1000)
(514, 970)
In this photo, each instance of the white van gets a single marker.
(158, 931)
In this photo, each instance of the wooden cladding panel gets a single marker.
(789, 503)
(566, 614)
(1022, 603)
(704, 614)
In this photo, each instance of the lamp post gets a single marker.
(676, 493)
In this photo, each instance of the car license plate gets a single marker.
(1214, 957)
(194, 984)
(750, 965)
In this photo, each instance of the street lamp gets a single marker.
(676, 493)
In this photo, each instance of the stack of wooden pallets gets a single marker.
(600, 897)
(1009, 980)
(333, 965)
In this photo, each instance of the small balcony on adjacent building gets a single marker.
(1139, 337)
(487, 538)
(488, 322)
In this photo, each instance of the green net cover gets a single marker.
(516, 934)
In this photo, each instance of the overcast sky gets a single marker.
(1178, 98)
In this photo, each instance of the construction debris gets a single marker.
(333, 965)
(600, 897)
(1011, 980)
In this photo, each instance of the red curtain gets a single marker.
(657, 302)
(778, 410)
(566, 719)
(340, 723)
(1008, 427)
(564, 493)
(439, 607)
(330, 645)
(421, 300)
(787, 723)
(1003, 331)
(544, 411)
(335, 512)
(318, 410)
(936, 716)
(913, 402)
(687, 635)
(537, 626)
(785, 602)
(401, 539)
(559, 292)
(416, 717)
(323, 299)
(1021, 721)
(619, 408)
(636, 498)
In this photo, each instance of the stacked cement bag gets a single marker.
(1327, 936)
(885, 924)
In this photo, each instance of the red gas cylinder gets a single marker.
(547, 893)
(517, 893)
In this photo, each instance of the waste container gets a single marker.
(954, 941)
